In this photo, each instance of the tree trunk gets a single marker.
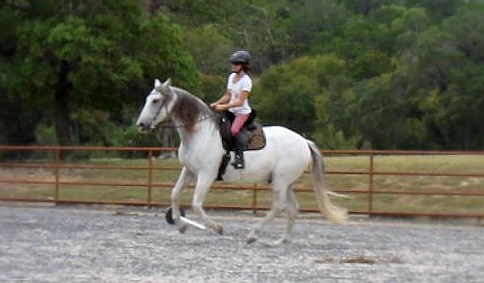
(62, 111)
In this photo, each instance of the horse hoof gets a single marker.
(183, 228)
(220, 230)
(251, 240)
(272, 244)
(286, 241)
(169, 215)
(279, 242)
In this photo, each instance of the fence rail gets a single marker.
(370, 200)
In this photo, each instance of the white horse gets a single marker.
(280, 162)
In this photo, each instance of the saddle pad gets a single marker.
(257, 138)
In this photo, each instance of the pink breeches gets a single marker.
(238, 123)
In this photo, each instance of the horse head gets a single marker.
(158, 106)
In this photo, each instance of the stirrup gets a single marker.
(239, 165)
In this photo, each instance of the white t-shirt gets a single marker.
(235, 89)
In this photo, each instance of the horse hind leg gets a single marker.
(292, 208)
(279, 199)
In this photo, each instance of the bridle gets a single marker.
(156, 115)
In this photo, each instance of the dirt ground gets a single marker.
(118, 244)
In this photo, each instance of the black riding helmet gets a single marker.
(240, 56)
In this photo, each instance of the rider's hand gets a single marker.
(220, 107)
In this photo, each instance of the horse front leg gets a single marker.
(185, 177)
(201, 189)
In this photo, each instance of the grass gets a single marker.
(162, 179)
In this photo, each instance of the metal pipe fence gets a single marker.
(50, 174)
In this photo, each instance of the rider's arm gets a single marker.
(224, 99)
(236, 103)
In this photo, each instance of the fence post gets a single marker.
(254, 198)
(370, 185)
(150, 176)
(57, 169)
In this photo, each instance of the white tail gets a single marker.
(331, 212)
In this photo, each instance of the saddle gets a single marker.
(254, 137)
(252, 132)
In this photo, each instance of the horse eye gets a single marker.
(156, 101)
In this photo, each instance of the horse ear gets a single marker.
(157, 83)
(167, 83)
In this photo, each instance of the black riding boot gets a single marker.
(239, 160)
(240, 142)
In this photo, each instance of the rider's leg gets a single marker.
(240, 139)
(238, 123)
(240, 144)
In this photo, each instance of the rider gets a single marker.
(236, 101)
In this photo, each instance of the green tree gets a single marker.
(286, 93)
(335, 122)
(371, 64)
(314, 23)
(438, 9)
(452, 81)
(211, 56)
(366, 6)
(258, 26)
(347, 73)
(211, 59)
(387, 116)
(92, 55)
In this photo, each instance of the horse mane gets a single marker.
(190, 110)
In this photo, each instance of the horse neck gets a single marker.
(204, 127)
(202, 143)
(193, 119)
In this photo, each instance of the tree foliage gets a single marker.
(92, 56)
(287, 92)
(400, 74)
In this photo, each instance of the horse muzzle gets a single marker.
(144, 128)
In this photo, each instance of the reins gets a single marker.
(164, 124)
